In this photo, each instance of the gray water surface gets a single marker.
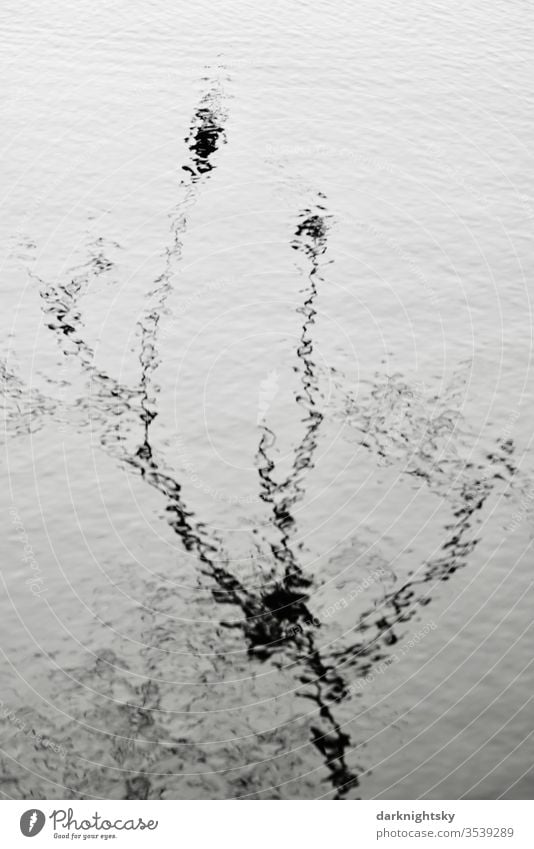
(268, 479)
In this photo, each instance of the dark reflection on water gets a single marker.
(205, 137)
(24, 409)
(273, 619)
(206, 134)
(288, 618)
(277, 624)
(275, 615)
(401, 606)
(116, 408)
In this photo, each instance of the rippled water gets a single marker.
(266, 369)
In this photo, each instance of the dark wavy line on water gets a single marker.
(268, 624)
(272, 615)
(265, 621)
(276, 617)
(60, 300)
(206, 134)
(113, 402)
(287, 601)
(377, 629)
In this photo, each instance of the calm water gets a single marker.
(266, 365)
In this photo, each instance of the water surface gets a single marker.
(266, 375)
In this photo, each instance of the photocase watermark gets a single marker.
(67, 821)
(520, 514)
(402, 413)
(397, 409)
(298, 627)
(454, 174)
(61, 417)
(268, 390)
(459, 178)
(330, 151)
(36, 581)
(408, 260)
(508, 429)
(189, 467)
(18, 94)
(65, 825)
(364, 585)
(41, 739)
(380, 668)
(526, 204)
(479, 479)
(193, 72)
(328, 612)
(184, 305)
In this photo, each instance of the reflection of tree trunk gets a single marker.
(287, 601)
(275, 617)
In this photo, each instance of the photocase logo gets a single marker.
(267, 393)
(32, 822)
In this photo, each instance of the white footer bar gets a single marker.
(269, 824)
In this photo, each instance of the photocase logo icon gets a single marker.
(32, 822)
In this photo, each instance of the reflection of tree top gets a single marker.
(310, 234)
(203, 140)
(314, 226)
